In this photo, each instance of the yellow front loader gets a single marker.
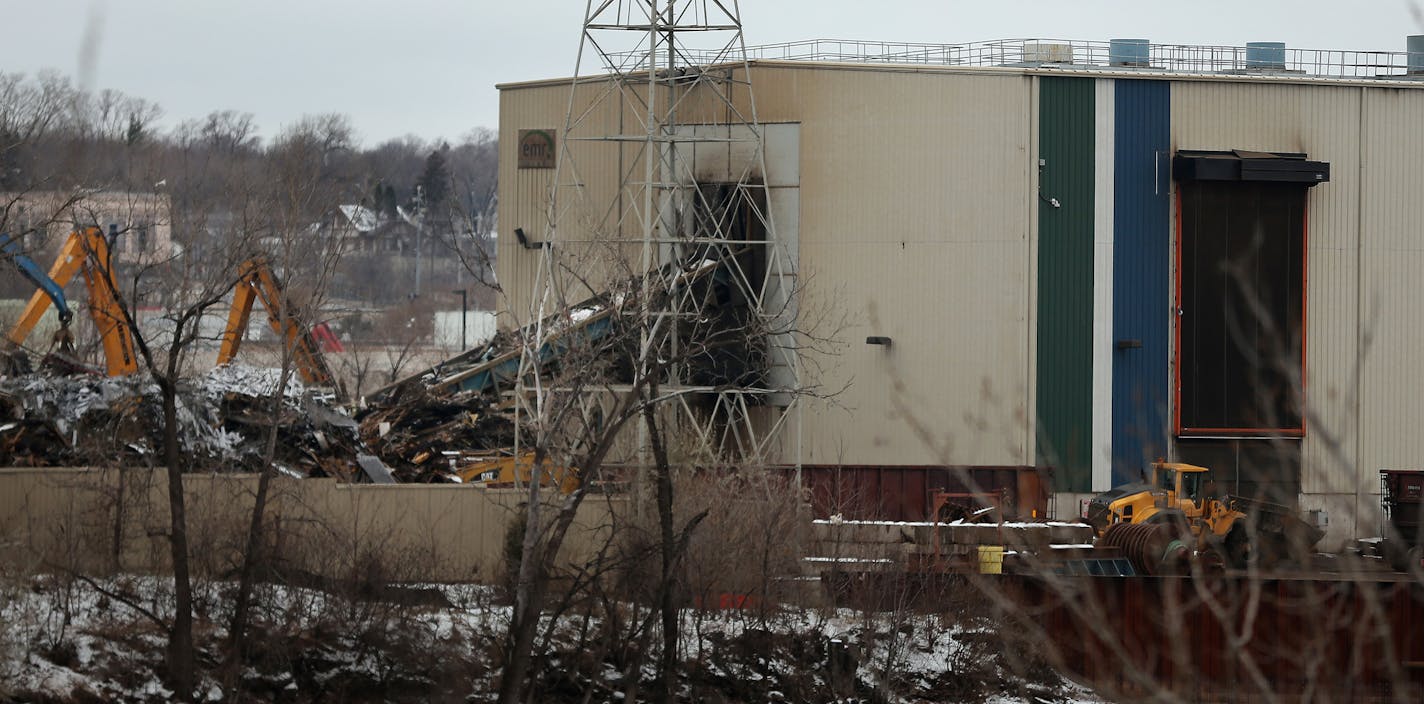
(1233, 530)
(1182, 497)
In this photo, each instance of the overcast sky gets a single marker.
(428, 67)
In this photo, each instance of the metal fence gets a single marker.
(1068, 53)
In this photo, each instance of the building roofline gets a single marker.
(1037, 70)
(1118, 58)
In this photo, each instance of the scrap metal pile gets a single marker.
(426, 436)
(225, 418)
(424, 428)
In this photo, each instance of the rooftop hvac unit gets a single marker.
(1047, 53)
(1266, 56)
(1129, 53)
(1415, 47)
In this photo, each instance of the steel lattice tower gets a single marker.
(662, 98)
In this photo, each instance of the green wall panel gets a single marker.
(1065, 280)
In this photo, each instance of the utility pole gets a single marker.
(419, 231)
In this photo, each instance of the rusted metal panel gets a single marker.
(899, 493)
(913, 485)
(1345, 639)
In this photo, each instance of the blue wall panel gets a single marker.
(1142, 275)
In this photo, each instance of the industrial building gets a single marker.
(1081, 255)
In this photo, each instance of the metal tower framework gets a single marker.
(691, 204)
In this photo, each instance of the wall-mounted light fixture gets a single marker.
(524, 240)
(877, 340)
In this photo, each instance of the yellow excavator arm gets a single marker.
(66, 265)
(88, 252)
(105, 310)
(256, 281)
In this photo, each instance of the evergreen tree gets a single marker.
(388, 201)
(435, 180)
(136, 131)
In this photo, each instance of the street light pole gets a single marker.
(464, 305)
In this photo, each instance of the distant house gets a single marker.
(361, 218)
(366, 232)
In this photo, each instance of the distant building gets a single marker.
(142, 221)
(479, 327)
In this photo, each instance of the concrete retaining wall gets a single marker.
(101, 520)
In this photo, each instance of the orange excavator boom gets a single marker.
(257, 282)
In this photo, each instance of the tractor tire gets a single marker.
(1400, 556)
(1213, 559)
(1394, 555)
(1176, 523)
(1238, 549)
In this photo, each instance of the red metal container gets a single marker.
(1402, 494)
(906, 492)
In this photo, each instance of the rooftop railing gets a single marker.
(1075, 54)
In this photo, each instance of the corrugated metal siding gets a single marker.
(588, 190)
(914, 225)
(1104, 138)
(1337, 463)
(1324, 122)
(915, 208)
(523, 193)
(1065, 280)
(1141, 274)
(1392, 258)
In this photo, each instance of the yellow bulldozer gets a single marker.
(511, 471)
(1184, 500)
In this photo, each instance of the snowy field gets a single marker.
(73, 641)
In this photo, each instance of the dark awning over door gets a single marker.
(1241, 165)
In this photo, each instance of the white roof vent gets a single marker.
(1047, 53)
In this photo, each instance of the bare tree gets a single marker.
(606, 406)
(224, 131)
(184, 287)
(31, 111)
(301, 193)
(470, 211)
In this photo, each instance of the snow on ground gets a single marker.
(62, 640)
